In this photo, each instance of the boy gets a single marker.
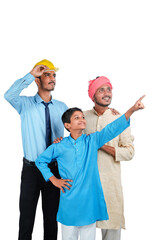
(82, 203)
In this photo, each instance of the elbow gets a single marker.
(6, 96)
(130, 157)
(124, 154)
(130, 154)
(9, 97)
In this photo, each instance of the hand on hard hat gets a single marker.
(38, 70)
(47, 63)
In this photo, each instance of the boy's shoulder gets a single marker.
(64, 141)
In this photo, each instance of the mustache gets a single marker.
(106, 96)
(52, 82)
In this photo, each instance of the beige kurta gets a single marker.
(109, 167)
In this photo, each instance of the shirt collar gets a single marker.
(73, 141)
(105, 113)
(38, 99)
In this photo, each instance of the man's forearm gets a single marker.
(15, 90)
(108, 149)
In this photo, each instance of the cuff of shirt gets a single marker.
(127, 121)
(117, 155)
(48, 175)
(29, 78)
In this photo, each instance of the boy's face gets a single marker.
(77, 122)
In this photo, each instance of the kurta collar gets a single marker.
(104, 114)
(79, 139)
(38, 99)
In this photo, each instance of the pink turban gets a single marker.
(97, 83)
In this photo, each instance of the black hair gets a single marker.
(66, 117)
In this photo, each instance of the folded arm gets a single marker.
(124, 149)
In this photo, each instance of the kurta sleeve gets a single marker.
(125, 149)
(112, 130)
(48, 156)
(12, 95)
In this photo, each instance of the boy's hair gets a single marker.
(66, 117)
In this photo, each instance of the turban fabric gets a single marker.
(97, 83)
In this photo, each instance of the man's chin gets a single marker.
(103, 104)
(50, 89)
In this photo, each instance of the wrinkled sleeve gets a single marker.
(112, 130)
(125, 149)
(12, 95)
(48, 156)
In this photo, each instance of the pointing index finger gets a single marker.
(142, 97)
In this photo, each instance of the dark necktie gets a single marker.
(48, 124)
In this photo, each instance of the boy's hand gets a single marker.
(37, 71)
(57, 140)
(61, 183)
(139, 105)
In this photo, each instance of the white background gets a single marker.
(85, 39)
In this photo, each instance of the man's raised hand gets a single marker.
(38, 70)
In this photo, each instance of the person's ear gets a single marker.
(67, 126)
(37, 81)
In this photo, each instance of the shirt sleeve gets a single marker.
(125, 149)
(12, 95)
(112, 130)
(65, 107)
(48, 156)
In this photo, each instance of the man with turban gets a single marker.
(109, 156)
(41, 124)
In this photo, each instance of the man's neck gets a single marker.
(99, 109)
(46, 96)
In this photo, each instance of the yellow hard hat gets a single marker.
(48, 64)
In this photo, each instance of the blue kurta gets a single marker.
(84, 203)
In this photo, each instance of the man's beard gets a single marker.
(101, 104)
(47, 89)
